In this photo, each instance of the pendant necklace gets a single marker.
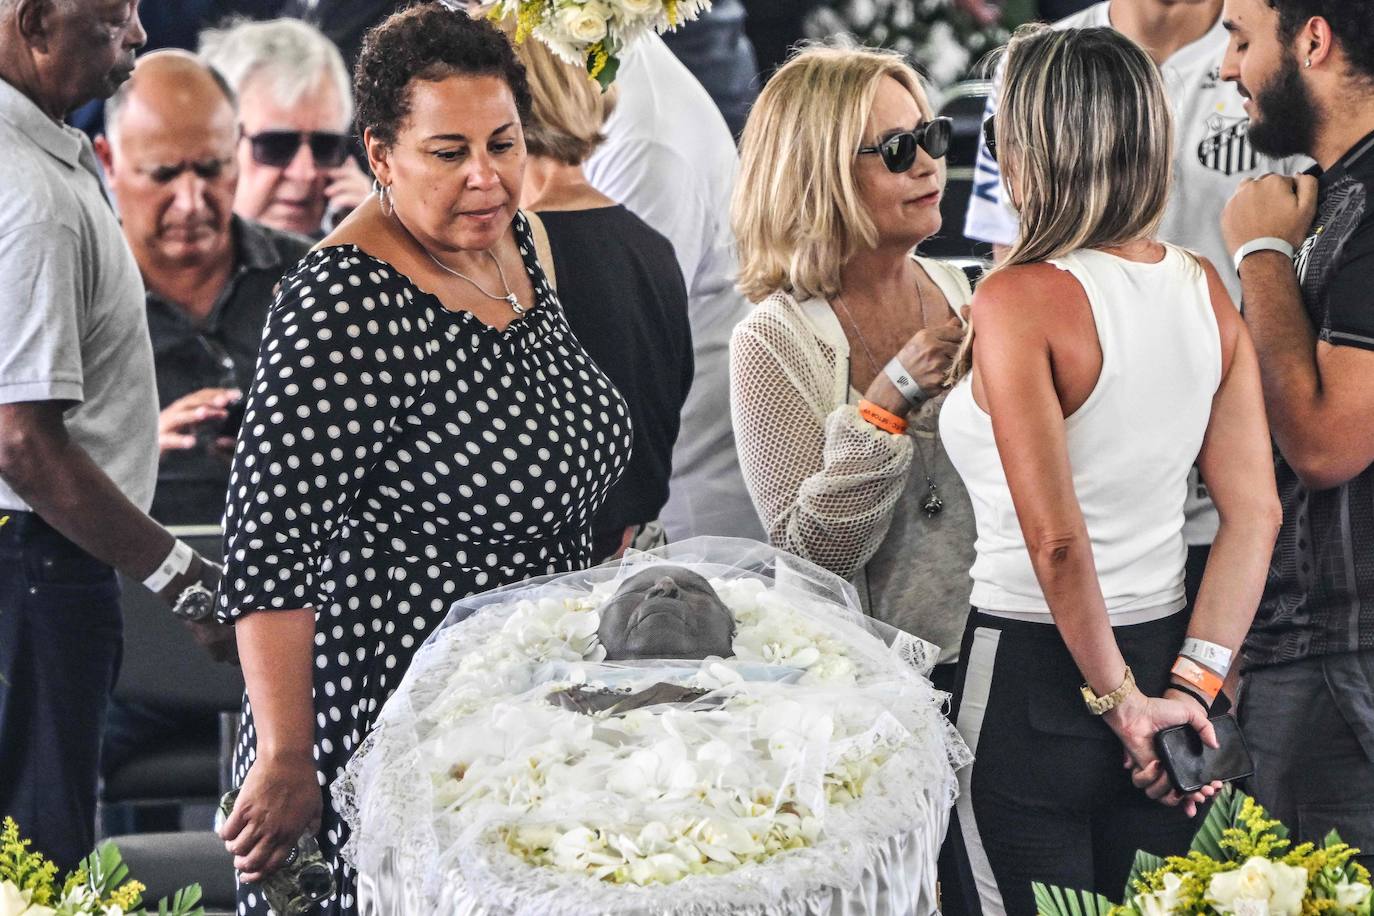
(508, 298)
(932, 505)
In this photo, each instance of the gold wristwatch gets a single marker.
(1097, 705)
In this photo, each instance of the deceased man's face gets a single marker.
(666, 612)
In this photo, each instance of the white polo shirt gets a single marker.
(71, 301)
(1211, 156)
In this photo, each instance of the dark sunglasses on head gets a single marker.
(276, 148)
(206, 170)
(899, 150)
(990, 139)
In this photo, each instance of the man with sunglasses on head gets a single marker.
(296, 173)
(169, 159)
(1212, 156)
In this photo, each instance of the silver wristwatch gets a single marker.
(195, 603)
(197, 600)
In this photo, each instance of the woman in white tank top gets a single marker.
(1100, 366)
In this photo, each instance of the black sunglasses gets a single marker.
(899, 150)
(990, 139)
(276, 148)
(206, 170)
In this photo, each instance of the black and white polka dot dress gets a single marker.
(395, 457)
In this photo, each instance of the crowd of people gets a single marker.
(462, 318)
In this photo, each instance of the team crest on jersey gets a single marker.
(1227, 148)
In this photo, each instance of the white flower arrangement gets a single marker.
(29, 884)
(758, 774)
(811, 762)
(592, 33)
(1242, 863)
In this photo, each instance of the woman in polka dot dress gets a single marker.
(423, 426)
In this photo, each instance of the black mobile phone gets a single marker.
(1192, 764)
(234, 421)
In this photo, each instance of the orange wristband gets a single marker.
(885, 420)
(1189, 671)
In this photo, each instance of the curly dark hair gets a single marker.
(1352, 22)
(428, 42)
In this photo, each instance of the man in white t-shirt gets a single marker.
(1212, 155)
(669, 158)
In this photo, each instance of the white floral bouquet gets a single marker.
(796, 763)
(1242, 863)
(592, 33)
(29, 884)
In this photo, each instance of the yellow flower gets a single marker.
(127, 897)
(599, 59)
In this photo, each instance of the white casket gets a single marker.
(815, 776)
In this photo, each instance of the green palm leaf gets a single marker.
(183, 903)
(1057, 901)
(105, 869)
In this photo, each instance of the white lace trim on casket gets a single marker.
(394, 791)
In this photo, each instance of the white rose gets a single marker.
(12, 900)
(1288, 885)
(1350, 896)
(640, 7)
(586, 24)
(1280, 886)
(1162, 902)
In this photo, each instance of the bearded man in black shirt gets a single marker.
(1305, 248)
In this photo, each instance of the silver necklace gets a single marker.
(509, 297)
(932, 505)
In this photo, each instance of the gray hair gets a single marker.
(292, 55)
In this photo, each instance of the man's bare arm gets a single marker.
(1319, 397)
(54, 475)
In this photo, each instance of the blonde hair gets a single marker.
(1085, 138)
(796, 212)
(569, 107)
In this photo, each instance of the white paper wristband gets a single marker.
(175, 563)
(1207, 654)
(915, 395)
(1268, 243)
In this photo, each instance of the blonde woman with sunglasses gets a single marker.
(836, 375)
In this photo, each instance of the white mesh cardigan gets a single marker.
(832, 488)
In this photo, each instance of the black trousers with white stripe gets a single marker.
(1047, 798)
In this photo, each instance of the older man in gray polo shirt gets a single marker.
(78, 420)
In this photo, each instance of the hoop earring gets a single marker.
(384, 200)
